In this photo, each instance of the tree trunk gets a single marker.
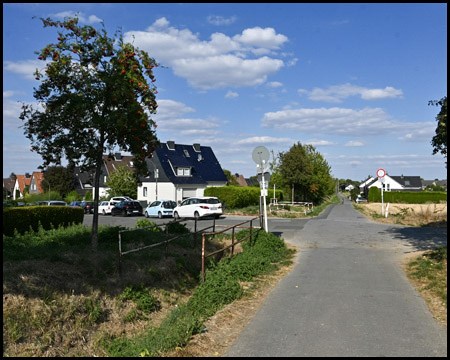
(98, 170)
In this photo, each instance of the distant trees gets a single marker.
(122, 182)
(59, 179)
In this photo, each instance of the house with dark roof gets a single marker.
(179, 171)
(8, 184)
(393, 183)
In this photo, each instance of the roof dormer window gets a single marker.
(186, 153)
(183, 171)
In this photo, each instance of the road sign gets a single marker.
(381, 173)
(260, 154)
(266, 180)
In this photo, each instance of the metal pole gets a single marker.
(264, 197)
(382, 202)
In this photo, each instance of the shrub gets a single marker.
(238, 196)
(24, 218)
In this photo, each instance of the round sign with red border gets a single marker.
(381, 173)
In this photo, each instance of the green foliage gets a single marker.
(52, 195)
(177, 228)
(88, 196)
(374, 194)
(122, 182)
(24, 218)
(60, 180)
(232, 181)
(306, 169)
(439, 141)
(354, 193)
(73, 196)
(142, 223)
(239, 196)
(407, 197)
(142, 296)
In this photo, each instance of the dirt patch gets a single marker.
(407, 214)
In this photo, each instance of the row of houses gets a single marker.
(398, 183)
(175, 172)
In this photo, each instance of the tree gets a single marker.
(122, 182)
(96, 94)
(59, 179)
(439, 141)
(231, 179)
(296, 170)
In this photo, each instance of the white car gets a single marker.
(118, 199)
(197, 207)
(105, 207)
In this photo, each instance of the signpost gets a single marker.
(260, 156)
(381, 173)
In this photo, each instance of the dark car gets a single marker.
(126, 208)
(75, 203)
(88, 207)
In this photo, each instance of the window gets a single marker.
(183, 171)
(145, 191)
(186, 153)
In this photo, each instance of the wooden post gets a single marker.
(120, 254)
(203, 257)
(232, 242)
(167, 243)
(251, 221)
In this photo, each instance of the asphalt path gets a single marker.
(347, 295)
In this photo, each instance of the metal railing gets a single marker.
(233, 240)
(164, 242)
(308, 206)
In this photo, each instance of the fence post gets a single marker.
(251, 231)
(232, 242)
(120, 254)
(203, 257)
(195, 232)
(167, 243)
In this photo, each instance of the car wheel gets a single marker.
(159, 215)
(146, 214)
(113, 214)
(103, 212)
(196, 215)
(176, 216)
(124, 213)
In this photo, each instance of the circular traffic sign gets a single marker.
(260, 153)
(381, 173)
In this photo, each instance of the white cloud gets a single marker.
(274, 84)
(222, 61)
(91, 19)
(339, 121)
(258, 37)
(319, 142)
(25, 67)
(231, 94)
(337, 93)
(266, 140)
(354, 143)
(220, 20)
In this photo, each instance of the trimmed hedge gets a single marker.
(240, 196)
(407, 197)
(22, 218)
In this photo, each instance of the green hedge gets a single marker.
(407, 197)
(240, 196)
(21, 218)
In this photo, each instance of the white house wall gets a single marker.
(390, 184)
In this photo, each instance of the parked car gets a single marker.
(126, 208)
(160, 208)
(360, 199)
(118, 199)
(197, 207)
(54, 203)
(105, 207)
(75, 203)
(88, 207)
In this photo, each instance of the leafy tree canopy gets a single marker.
(439, 141)
(59, 179)
(122, 182)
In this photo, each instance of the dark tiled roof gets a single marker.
(205, 168)
(408, 181)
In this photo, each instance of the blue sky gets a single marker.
(354, 80)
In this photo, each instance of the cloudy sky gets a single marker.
(354, 80)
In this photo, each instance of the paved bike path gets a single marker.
(346, 296)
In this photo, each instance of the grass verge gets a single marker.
(428, 273)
